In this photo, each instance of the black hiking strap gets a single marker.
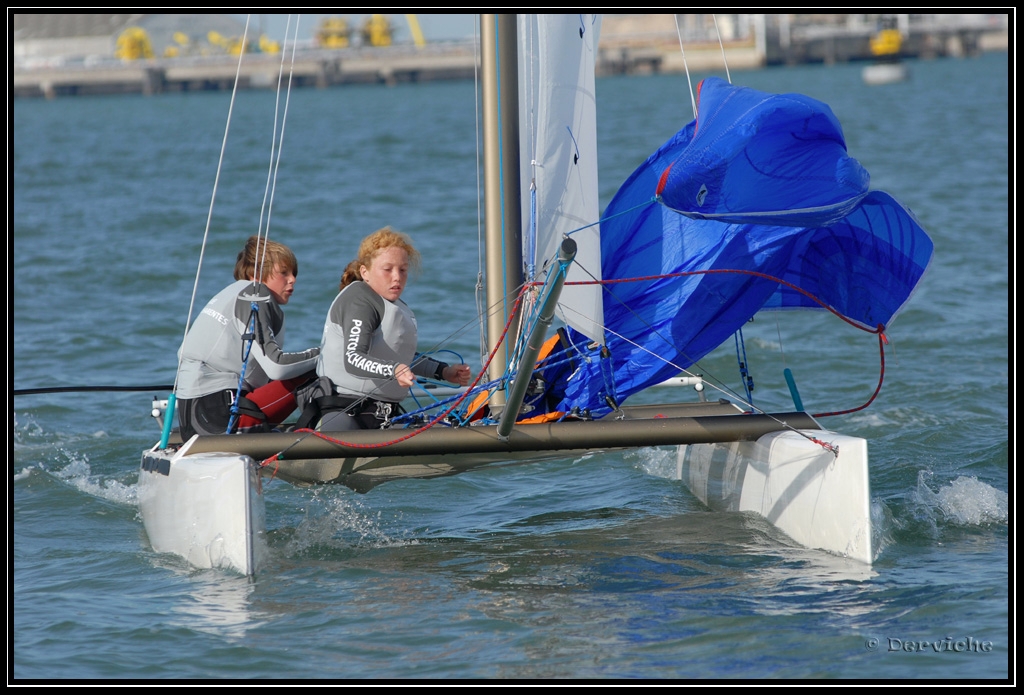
(244, 406)
(316, 407)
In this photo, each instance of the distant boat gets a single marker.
(885, 73)
(888, 66)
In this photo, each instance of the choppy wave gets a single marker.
(55, 455)
(966, 501)
(337, 522)
(79, 475)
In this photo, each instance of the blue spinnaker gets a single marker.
(783, 199)
(764, 159)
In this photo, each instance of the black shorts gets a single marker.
(205, 415)
(211, 414)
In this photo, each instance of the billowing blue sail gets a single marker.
(765, 159)
(756, 205)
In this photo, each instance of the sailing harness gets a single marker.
(241, 405)
(318, 398)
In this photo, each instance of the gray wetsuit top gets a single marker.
(211, 356)
(365, 338)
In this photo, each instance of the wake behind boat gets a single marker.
(753, 206)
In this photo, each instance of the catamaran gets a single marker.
(754, 205)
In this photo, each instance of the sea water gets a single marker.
(600, 567)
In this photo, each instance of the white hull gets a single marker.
(207, 509)
(885, 73)
(819, 500)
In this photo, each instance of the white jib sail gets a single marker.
(558, 143)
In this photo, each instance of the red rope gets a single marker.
(881, 377)
(879, 330)
(736, 271)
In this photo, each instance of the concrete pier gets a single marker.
(630, 44)
(320, 68)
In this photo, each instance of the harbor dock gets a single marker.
(630, 44)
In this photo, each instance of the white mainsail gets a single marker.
(558, 151)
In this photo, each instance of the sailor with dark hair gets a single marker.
(211, 356)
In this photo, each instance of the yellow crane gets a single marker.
(377, 30)
(181, 46)
(333, 32)
(132, 44)
(414, 29)
(268, 45)
(886, 42)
